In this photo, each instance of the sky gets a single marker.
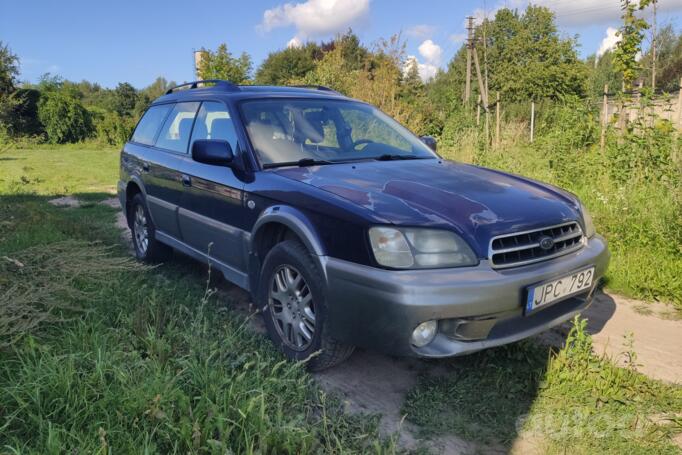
(135, 41)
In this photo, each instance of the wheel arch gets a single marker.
(276, 224)
(133, 187)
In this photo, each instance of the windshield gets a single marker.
(310, 131)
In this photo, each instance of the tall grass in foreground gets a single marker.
(150, 362)
(633, 188)
(570, 400)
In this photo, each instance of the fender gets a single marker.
(123, 196)
(293, 219)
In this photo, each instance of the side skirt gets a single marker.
(231, 274)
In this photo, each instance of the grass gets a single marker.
(50, 170)
(137, 360)
(567, 399)
(151, 360)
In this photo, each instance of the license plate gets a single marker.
(541, 295)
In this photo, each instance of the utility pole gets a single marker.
(485, 67)
(481, 85)
(470, 45)
(653, 50)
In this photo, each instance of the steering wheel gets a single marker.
(362, 141)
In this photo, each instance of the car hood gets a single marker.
(477, 203)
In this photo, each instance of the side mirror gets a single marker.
(430, 142)
(212, 151)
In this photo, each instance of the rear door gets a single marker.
(212, 204)
(163, 164)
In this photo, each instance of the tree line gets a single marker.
(525, 57)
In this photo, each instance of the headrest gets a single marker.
(221, 128)
(185, 128)
(310, 126)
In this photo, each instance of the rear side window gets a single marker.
(214, 122)
(150, 123)
(177, 129)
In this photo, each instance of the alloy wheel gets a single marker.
(141, 230)
(292, 308)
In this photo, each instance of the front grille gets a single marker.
(522, 248)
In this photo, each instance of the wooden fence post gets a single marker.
(532, 119)
(605, 117)
(497, 121)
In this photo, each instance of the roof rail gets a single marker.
(315, 87)
(218, 83)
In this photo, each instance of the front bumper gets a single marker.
(477, 307)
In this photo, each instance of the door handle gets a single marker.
(186, 180)
(145, 167)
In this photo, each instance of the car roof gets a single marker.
(225, 89)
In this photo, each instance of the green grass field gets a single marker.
(135, 360)
(116, 358)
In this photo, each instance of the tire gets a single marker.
(142, 228)
(287, 310)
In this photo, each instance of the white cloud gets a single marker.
(315, 17)
(421, 30)
(609, 42)
(295, 42)
(426, 70)
(431, 52)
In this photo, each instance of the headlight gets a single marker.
(419, 248)
(587, 221)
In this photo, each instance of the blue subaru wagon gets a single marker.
(347, 230)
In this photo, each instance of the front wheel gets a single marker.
(293, 298)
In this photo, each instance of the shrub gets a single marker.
(114, 129)
(64, 117)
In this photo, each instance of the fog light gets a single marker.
(424, 333)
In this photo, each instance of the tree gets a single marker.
(63, 116)
(527, 59)
(124, 99)
(157, 88)
(9, 69)
(376, 79)
(290, 64)
(601, 71)
(631, 35)
(222, 65)
(19, 113)
(668, 60)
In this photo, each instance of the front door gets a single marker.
(212, 202)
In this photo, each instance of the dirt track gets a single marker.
(376, 384)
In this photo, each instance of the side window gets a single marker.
(176, 130)
(214, 122)
(149, 125)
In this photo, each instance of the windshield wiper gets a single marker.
(392, 157)
(303, 162)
